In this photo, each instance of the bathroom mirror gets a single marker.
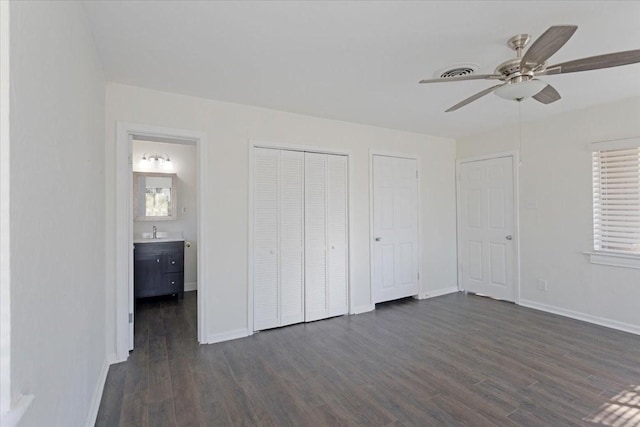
(155, 196)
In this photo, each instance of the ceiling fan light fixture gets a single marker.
(521, 90)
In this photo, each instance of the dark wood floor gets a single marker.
(453, 360)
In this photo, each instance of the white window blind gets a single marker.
(616, 200)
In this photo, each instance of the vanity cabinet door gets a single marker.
(147, 274)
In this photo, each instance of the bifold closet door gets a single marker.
(278, 238)
(325, 236)
(291, 237)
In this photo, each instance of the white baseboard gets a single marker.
(438, 292)
(613, 324)
(363, 308)
(190, 286)
(113, 358)
(227, 336)
(97, 395)
(12, 417)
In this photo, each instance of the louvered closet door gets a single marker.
(337, 235)
(325, 236)
(315, 222)
(291, 237)
(266, 313)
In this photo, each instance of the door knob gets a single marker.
(378, 239)
(509, 237)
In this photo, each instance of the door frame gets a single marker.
(374, 152)
(257, 143)
(125, 132)
(515, 167)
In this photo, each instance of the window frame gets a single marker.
(604, 256)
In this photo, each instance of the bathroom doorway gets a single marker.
(165, 236)
(171, 162)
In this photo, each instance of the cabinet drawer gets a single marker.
(173, 283)
(174, 261)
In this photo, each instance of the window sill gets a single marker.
(613, 259)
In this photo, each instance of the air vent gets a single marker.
(457, 72)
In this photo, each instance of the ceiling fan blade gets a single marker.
(547, 95)
(472, 98)
(462, 78)
(608, 60)
(547, 44)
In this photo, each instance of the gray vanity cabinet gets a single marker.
(158, 269)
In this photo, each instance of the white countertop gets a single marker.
(161, 237)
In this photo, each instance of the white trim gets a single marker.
(190, 286)
(5, 225)
(515, 159)
(601, 321)
(112, 358)
(614, 259)
(124, 220)
(616, 144)
(20, 406)
(362, 309)
(97, 395)
(487, 157)
(256, 143)
(411, 156)
(227, 336)
(438, 292)
(260, 143)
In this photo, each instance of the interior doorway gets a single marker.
(395, 231)
(487, 226)
(127, 232)
(164, 227)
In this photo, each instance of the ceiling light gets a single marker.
(157, 158)
(521, 90)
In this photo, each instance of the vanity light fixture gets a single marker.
(157, 158)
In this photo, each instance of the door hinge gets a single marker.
(418, 275)
(416, 174)
(130, 159)
(130, 317)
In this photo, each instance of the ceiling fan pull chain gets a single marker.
(520, 129)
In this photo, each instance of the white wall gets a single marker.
(183, 161)
(228, 129)
(57, 213)
(556, 176)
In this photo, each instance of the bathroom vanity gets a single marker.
(158, 267)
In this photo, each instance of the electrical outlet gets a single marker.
(184, 210)
(541, 284)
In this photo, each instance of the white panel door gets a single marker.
(395, 228)
(337, 283)
(315, 225)
(291, 192)
(266, 307)
(486, 239)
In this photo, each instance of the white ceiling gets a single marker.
(360, 61)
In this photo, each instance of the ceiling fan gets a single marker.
(519, 75)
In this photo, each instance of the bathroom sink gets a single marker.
(161, 236)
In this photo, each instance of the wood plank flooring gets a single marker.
(454, 360)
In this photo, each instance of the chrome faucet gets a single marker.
(155, 232)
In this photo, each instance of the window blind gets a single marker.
(616, 200)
